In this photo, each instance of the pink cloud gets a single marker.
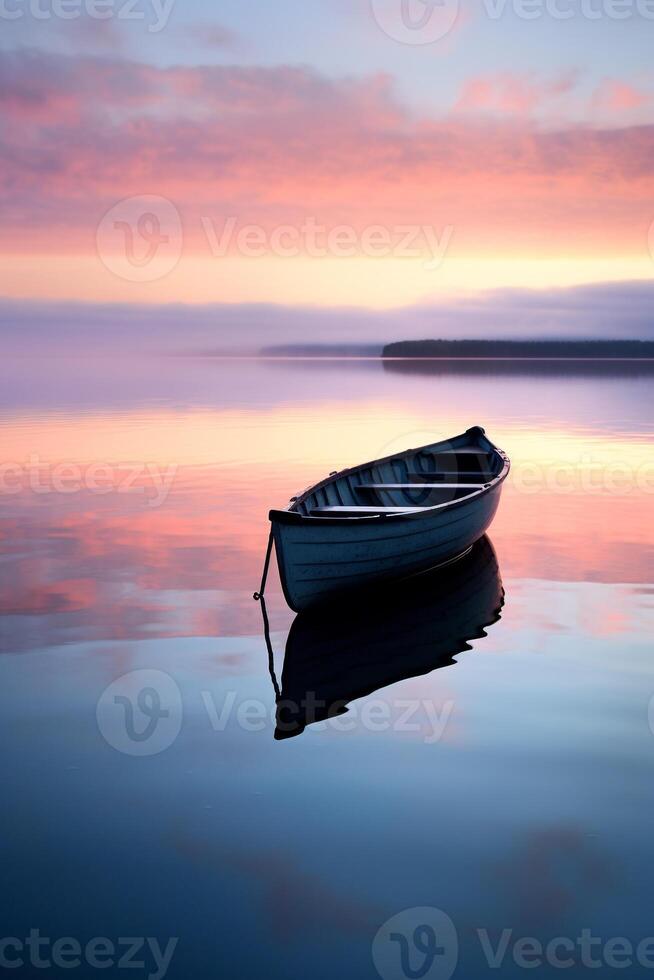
(510, 94)
(617, 96)
(25, 598)
(273, 145)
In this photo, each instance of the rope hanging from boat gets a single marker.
(271, 652)
(258, 596)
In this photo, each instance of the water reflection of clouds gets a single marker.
(189, 567)
(552, 873)
(549, 742)
(243, 437)
(295, 899)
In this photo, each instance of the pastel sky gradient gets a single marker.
(524, 146)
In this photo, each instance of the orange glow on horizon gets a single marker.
(357, 282)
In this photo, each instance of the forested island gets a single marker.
(536, 349)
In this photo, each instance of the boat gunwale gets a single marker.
(290, 516)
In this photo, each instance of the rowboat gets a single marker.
(335, 656)
(387, 519)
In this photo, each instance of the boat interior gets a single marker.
(406, 483)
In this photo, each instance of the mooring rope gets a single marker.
(258, 596)
(269, 647)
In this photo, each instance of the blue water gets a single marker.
(518, 793)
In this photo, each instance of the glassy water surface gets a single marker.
(496, 758)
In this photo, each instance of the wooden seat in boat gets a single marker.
(420, 486)
(440, 477)
(355, 511)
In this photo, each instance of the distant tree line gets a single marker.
(520, 348)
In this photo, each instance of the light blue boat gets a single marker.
(388, 519)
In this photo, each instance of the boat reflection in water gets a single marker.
(346, 651)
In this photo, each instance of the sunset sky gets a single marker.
(310, 154)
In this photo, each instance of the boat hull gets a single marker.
(325, 560)
(388, 519)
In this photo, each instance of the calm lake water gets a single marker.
(512, 790)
